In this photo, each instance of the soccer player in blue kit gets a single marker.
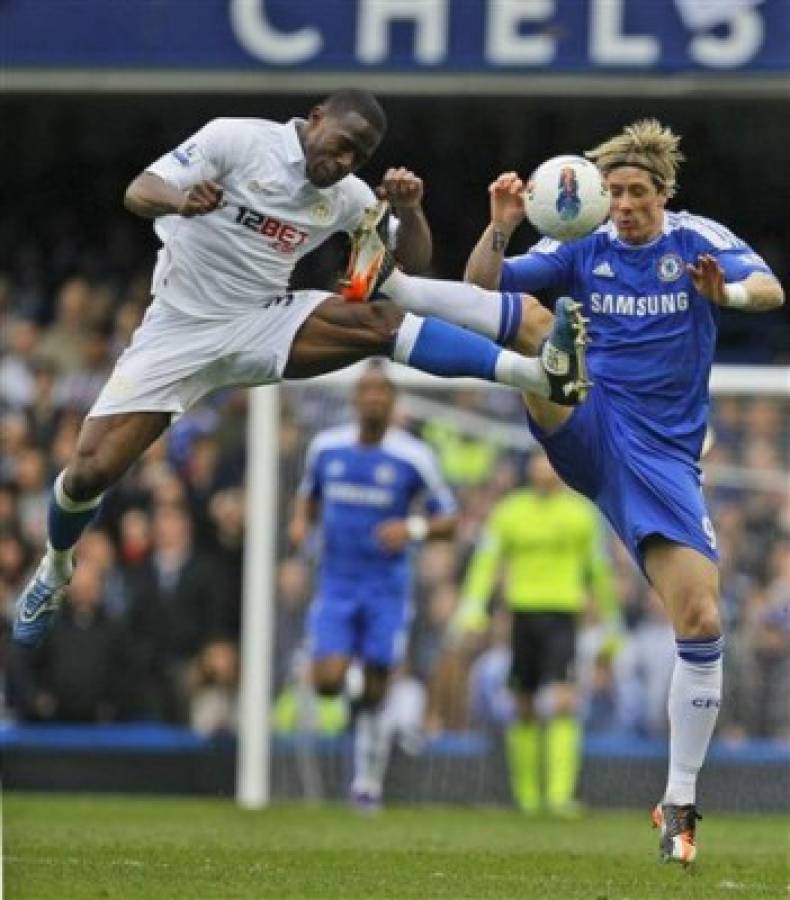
(360, 486)
(651, 282)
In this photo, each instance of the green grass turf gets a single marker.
(79, 846)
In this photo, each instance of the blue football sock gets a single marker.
(67, 518)
(439, 348)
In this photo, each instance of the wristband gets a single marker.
(417, 528)
(737, 295)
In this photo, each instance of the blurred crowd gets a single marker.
(151, 626)
(150, 629)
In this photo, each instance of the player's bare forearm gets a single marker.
(484, 266)
(442, 528)
(304, 517)
(150, 196)
(764, 292)
(414, 245)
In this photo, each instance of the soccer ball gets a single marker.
(566, 198)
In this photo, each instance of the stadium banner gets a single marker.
(653, 37)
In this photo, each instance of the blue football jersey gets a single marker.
(652, 336)
(359, 486)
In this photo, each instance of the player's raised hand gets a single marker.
(202, 198)
(708, 278)
(507, 203)
(401, 188)
(392, 535)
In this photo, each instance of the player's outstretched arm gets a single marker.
(484, 266)
(414, 244)
(150, 196)
(758, 292)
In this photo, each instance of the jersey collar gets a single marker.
(615, 239)
(293, 146)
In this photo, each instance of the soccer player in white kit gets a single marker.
(236, 206)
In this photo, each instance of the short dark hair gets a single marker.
(361, 102)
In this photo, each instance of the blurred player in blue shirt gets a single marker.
(651, 283)
(360, 486)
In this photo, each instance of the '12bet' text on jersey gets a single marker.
(224, 263)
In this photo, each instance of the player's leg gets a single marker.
(558, 702)
(386, 613)
(106, 447)
(337, 334)
(510, 319)
(523, 737)
(688, 583)
(329, 674)
(563, 357)
(372, 740)
(331, 637)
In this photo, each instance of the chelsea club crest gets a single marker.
(670, 267)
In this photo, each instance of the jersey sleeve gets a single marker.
(358, 197)
(207, 155)
(735, 256)
(439, 499)
(549, 264)
(310, 485)
(482, 575)
(598, 567)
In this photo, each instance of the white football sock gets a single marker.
(694, 698)
(454, 301)
(57, 565)
(523, 372)
(372, 742)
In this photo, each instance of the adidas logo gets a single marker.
(603, 270)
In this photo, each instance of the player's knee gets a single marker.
(383, 321)
(697, 613)
(87, 476)
(525, 706)
(535, 315)
(329, 677)
(328, 685)
(566, 700)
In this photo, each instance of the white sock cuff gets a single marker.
(406, 338)
(66, 503)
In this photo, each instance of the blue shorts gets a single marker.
(640, 491)
(361, 618)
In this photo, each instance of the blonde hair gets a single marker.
(648, 145)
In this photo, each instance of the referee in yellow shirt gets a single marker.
(546, 542)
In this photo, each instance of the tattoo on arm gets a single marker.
(499, 241)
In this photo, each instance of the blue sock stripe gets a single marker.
(700, 650)
(504, 317)
(510, 319)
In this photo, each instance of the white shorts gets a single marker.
(174, 359)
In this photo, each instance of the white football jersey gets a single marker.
(218, 265)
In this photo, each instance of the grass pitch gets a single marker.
(79, 846)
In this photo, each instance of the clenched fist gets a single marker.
(401, 188)
(203, 197)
